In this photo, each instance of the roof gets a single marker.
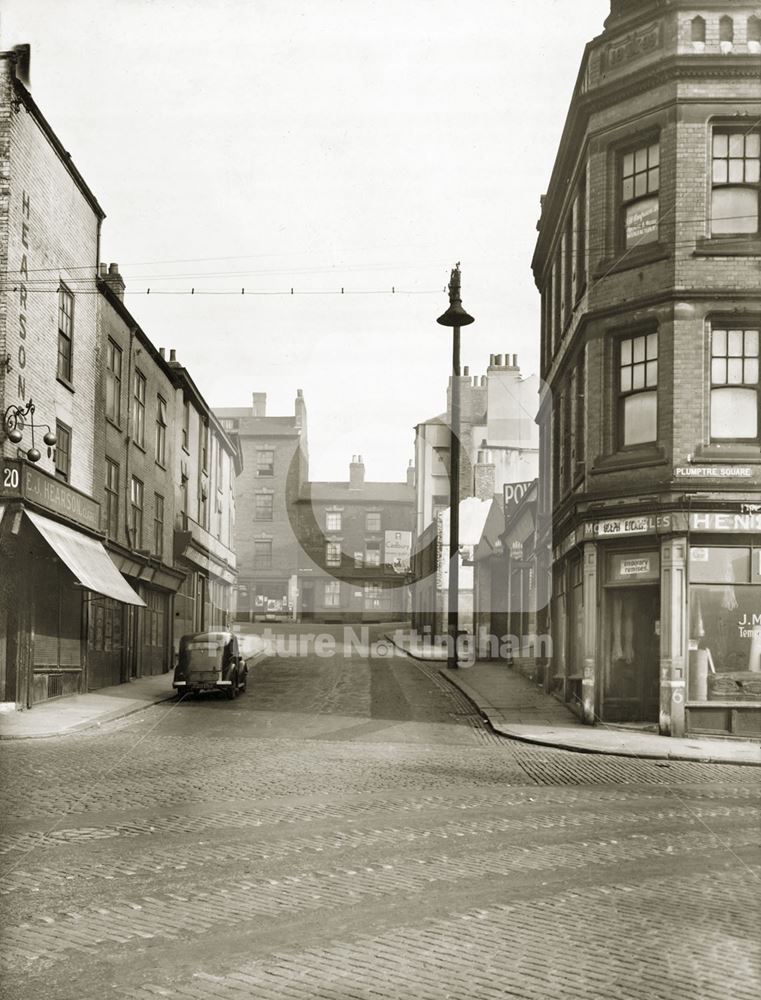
(250, 426)
(366, 493)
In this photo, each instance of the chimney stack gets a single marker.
(22, 57)
(300, 409)
(484, 475)
(113, 279)
(356, 473)
(411, 474)
(259, 404)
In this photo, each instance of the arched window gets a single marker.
(754, 34)
(726, 29)
(698, 29)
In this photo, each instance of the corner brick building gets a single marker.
(648, 261)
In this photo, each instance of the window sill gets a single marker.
(161, 465)
(732, 451)
(728, 246)
(65, 383)
(114, 423)
(628, 260)
(637, 458)
(140, 447)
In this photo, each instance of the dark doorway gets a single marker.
(631, 661)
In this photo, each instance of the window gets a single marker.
(568, 268)
(372, 521)
(62, 451)
(726, 33)
(333, 521)
(265, 462)
(734, 384)
(332, 595)
(138, 409)
(113, 382)
(579, 434)
(359, 560)
(754, 34)
(160, 430)
(203, 446)
(263, 553)
(112, 499)
(333, 554)
(65, 333)
(220, 465)
(158, 524)
(698, 30)
(376, 597)
(372, 554)
(203, 505)
(556, 296)
(186, 424)
(638, 396)
(136, 513)
(581, 237)
(640, 182)
(735, 195)
(263, 506)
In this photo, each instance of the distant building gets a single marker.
(647, 261)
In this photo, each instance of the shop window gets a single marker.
(263, 553)
(725, 625)
(640, 184)
(112, 499)
(734, 384)
(161, 430)
(333, 521)
(265, 462)
(113, 382)
(332, 594)
(65, 334)
(263, 506)
(735, 177)
(373, 521)
(138, 409)
(333, 554)
(62, 451)
(637, 389)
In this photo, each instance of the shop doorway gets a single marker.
(631, 644)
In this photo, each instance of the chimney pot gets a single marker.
(259, 404)
(498, 360)
(515, 361)
(172, 354)
(104, 269)
(491, 360)
(466, 370)
(162, 352)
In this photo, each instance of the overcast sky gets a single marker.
(278, 144)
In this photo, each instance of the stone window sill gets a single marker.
(728, 246)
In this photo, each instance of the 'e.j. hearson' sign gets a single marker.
(19, 480)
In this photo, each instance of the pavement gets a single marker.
(516, 707)
(75, 713)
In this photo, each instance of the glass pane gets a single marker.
(626, 352)
(628, 189)
(733, 413)
(718, 371)
(753, 144)
(639, 348)
(652, 345)
(719, 343)
(752, 171)
(736, 171)
(642, 221)
(720, 171)
(751, 371)
(626, 379)
(734, 210)
(735, 371)
(655, 155)
(628, 164)
(714, 564)
(653, 179)
(640, 418)
(638, 377)
(640, 159)
(737, 144)
(751, 343)
(735, 343)
(640, 184)
(720, 144)
(652, 373)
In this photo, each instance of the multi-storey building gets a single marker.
(499, 444)
(648, 263)
(275, 467)
(355, 541)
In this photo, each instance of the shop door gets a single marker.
(631, 689)
(307, 598)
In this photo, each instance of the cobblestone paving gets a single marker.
(379, 842)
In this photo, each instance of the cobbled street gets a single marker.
(349, 828)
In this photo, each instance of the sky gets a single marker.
(271, 145)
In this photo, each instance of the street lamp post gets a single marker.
(455, 316)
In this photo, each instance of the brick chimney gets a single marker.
(110, 275)
(259, 404)
(484, 474)
(356, 472)
(411, 474)
(300, 409)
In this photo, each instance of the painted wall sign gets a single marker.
(713, 472)
(514, 493)
(644, 524)
(20, 480)
(719, 522)
(634, 566)
(397, 550)
(26, 211)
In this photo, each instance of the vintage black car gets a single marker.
(210, 661)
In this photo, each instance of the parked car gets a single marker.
(210, 661)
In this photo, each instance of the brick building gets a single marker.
(355, 541)
(50, 539)
(648, 261)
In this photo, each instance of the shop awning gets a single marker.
(86, 558)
